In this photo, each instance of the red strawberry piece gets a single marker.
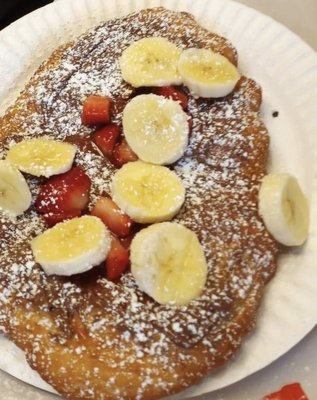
(96, 110)
(106, 138)
(292, 391)
(117, 260)
(65, 192)
(173, 93)
(122, 154)
(126, 241)
(112, 216)
(52, 219)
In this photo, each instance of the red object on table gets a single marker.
(293, 391)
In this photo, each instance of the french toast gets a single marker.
(91, 338)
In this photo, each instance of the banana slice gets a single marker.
(73, 246)
(168, 263)
(284, 209)
(15, 195)
(42, 157)
(147, 193)
(151, 61)
(156, 128)
(207, 74)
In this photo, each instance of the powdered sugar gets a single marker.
(221, 170)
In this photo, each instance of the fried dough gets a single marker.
(94, 339)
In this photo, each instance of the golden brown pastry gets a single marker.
(91, 338)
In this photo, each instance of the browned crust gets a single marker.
(81, 363)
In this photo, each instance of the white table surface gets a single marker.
(299, 364)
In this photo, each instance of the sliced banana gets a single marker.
(147, 193)
(151, 61)
(15, 195)
(42, 157)
(168, 263)
(284, 209)
(73, 246)
(206, 73)
(156, 128)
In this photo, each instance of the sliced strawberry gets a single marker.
(292, 391)
(126, 241)
(96, 110)
(106, 138)
(173, 93)
(117, 260)
(65, 192)
(115, 219)
(51, 219)
(122, 154)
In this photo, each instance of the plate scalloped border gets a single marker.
(286, 68)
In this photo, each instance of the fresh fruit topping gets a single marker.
(168, 263)
(52, 219)
(148, 193)
(207, 74)
(126, 241)
(122, 154)
(284, 209)
(65, 192)
(293, 391)
(117, 260)
(156, 128)
(112, 216)
(42, 157)
(15, 195)
(151, 61)
(73, 246)
(174, 93)
(106, 138)
(96, 110)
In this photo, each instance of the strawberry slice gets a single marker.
(65, 192)
(96, 110)
(52, 219)
(173, 93)
(122, 154)
(106, 138)
(126, 241)
(112, 216)
(117, 260)
(292, 391)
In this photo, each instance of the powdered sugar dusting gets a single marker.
(88, 320)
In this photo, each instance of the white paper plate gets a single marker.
(287, 70)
